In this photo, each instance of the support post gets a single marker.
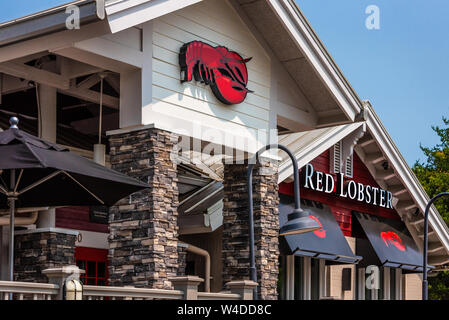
(188, 284)
(61, 275)
(244, 288)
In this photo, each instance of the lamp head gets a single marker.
(14, 121)
(299, 222)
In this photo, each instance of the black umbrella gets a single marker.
(41, 173)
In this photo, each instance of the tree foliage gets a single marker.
(434, 177)
(434, 173)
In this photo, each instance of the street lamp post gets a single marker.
(425, 286)
(298, 220)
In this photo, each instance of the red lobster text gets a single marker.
(225, 71)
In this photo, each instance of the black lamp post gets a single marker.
(298, 220)
(425, 286)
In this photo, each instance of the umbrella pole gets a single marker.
(12, 203)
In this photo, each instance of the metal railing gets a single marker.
(218, 296)
(27, 290)
(129, 293)
(185, 288)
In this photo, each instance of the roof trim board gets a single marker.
(47, 21)
(124, 14)
(313, 49)
(329, 137)
(405, 174)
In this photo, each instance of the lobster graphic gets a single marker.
(320, 233)
(225, 71)
(391, 237)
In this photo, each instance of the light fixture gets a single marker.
(425, 285)
(99, 148)
(298, 223)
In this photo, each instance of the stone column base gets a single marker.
(40, 249)
(266, 226)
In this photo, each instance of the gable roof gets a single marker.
(298, 48)
(278, 23)
(289, 36)
(48, 21)
(375, 147)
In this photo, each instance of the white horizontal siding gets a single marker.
(165, 110)
(203, 93)
(170, 70)
(131, 38)
(195, 101)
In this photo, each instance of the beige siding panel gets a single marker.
(412, 286)
(131, 37)
(233, 30)
(219, 10)
(161, 67)
(335, 282)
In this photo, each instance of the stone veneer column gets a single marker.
(266, 222)
(40, 249)
(143, 228)
(182, 262)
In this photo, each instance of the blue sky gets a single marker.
(403, 68)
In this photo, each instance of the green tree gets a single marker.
(434, 177)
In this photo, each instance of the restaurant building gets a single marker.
(181, 94)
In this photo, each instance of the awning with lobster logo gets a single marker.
(392, 242)
(328, 242)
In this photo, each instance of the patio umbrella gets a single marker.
(36, 173)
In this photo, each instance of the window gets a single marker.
(315, 279)
(336, 159)
(301, 278)
(94, 263)
(392, 284)
(389, 285)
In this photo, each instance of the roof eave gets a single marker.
(405, 173)
(313, 49)
(46, 22)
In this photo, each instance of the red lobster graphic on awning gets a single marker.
(391, 237)
(225, 71)
(320, 233)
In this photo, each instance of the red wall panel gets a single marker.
(342, 207)
(78, 218)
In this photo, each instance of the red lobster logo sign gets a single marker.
(225, 71)
(391, 237)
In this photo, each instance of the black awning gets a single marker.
(391, 241)
(326, 243)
